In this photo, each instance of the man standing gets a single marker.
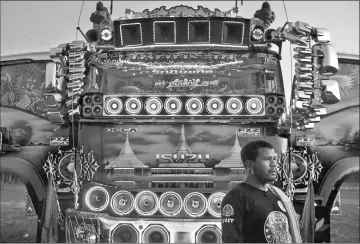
(255, 211)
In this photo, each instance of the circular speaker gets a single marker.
(87, 111)
(214, 203)
(234, 105)
(271, 99)
(122, 202)
(280, 100)
(254, 105)
(194, 106)
(97, 198)
(97, 110)
(208, 234)
(146, 203)
(153, 105)
(97, 99)
(133, 105)
(270, 110)
(195, 204)
(280, 111)
(155, 234)
(113, 106)
(173, 105)
(125, 233)
(87, 100)
(214, 105)
(170, 203)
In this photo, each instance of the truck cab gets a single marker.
(143, 123)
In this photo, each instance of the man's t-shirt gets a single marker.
(249, 214)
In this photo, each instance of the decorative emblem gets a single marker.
(281, 206)
(61, 166)
(178, 11)
(304, 166)
(227, 211)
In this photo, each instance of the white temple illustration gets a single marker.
(234, 160)
(181, 150)
(126, 158)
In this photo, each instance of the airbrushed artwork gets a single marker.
(144, 122)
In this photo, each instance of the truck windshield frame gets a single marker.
(259, 74)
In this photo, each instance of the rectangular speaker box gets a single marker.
(164, 32)
(199, 31)
(233, 33)
(131, 34)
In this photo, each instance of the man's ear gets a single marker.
(249, 164)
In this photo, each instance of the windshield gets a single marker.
(245, 76)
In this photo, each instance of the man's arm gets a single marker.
(232, 218)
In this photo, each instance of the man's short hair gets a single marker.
(250, 150)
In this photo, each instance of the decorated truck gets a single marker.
(134, 135)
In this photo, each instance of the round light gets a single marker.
(122, 202)
(113, 106)
(153, 105)
(97, 198)
(106, 34)
(254, 105)
(173, 105)
(195, 204)
(146, 203)
(170, 203)
(133, 105)
(194, 106)
(257, 33)
(234, 105)
(214, 105)
(214, 203)
(125, 233)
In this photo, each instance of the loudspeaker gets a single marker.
(125, 233)
(233, 32)
(131, 34)
(92, 35)
(97, 198)
(164, 32)
(199, 31)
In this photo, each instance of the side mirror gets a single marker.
(331, 92)
(326, 58)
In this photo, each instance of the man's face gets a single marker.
(264, 167)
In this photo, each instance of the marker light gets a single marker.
(106, 34)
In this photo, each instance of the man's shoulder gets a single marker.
(237, 190)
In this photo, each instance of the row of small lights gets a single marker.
(173, 106)
(116, 201)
